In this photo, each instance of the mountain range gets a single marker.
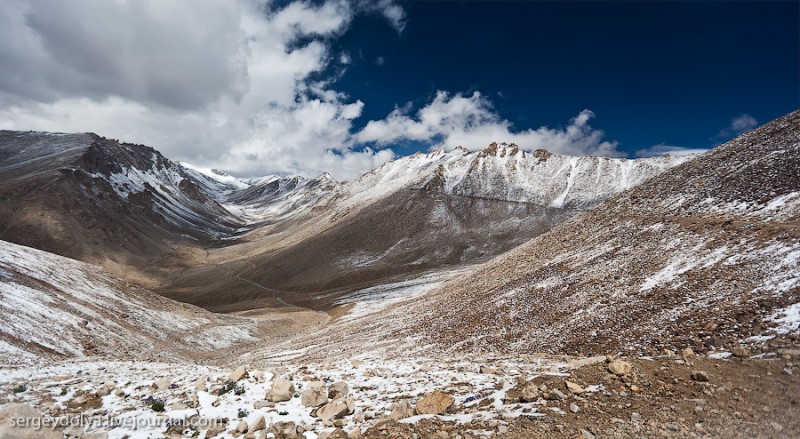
(190, 234)
(503, 292)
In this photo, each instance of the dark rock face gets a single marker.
(91, 198)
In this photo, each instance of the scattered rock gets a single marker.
(619, 367)
(332, 410)
(104, 390)
(217, 427)
(435, 403)
(574, 388)
(314, 395)
(281, 390)
(162, 383)
(338, 390)
(740, 351)
(238, 374)
(200, 384)
(529, 392)
(259, 424)
(285, 430)
(401, 409)
(488, 370)
(335, 434)
(263, 404)
(574, 408)
(581, 362)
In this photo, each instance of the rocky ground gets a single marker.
(672, 395)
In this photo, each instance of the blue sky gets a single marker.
(673, 73)
(258, 87)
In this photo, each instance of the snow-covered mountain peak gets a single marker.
(504, 171)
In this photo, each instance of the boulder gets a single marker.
(281, 390)
(581, 362)
(574, 388)
(740, 351)
(528, 392)
(259, 424)
(200, 384)
(699, 375)
(314, 395)
(435, 403)
(332, 410)
(242, 427)
(285, 430)
(335, 434)
(217, 427)
(338, 390)
(619, 367)
(238, 374)
(400, 410)
(162, 383)
(263, 404)
(105, 390)
(488, 370)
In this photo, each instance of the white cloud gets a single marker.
(739, 125)
(658, 150)
(394, 13)
(228, 84)
(743, 123)
(215, 83)
(471, 122)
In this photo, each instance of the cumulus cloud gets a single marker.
(470, 121)
(217, 83)
(739, 125)
(230, 84)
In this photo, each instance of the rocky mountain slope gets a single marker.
(705, 255)
(55, 307)
(98, 200)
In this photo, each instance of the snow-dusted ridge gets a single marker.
(51, 306)
(500, 172)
